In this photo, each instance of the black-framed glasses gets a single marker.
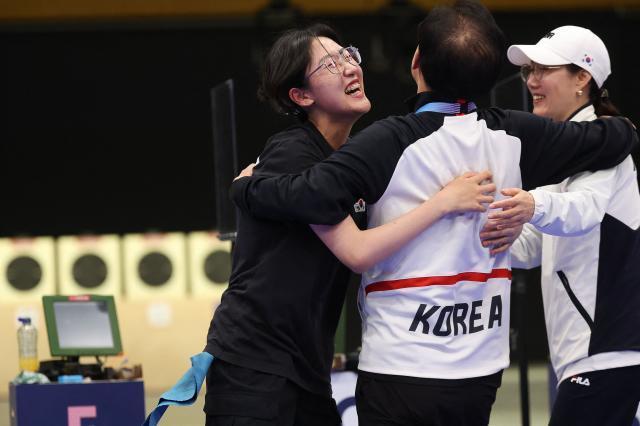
(537, 70)
(334, 62)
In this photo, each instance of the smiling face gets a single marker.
(555, 92)
(333, 97)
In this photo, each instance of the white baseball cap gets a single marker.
(566, 45)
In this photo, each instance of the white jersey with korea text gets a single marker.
(439, 307)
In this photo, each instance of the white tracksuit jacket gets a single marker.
(585, 235)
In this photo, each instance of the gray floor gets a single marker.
(506, 411)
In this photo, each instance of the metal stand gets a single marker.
(521, 347)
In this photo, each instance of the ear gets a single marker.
(416, 72)
(583, 80)
(300, 97)
(415, 62)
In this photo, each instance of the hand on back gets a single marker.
(246, 172)
(469, 192)
(505, 225)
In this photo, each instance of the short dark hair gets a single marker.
(461, 49)
(286, 64)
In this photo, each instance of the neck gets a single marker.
(577, 108)
(334, 132)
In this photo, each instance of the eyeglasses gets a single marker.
(335, 62)
(538, 71)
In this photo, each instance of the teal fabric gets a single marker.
(185, 392)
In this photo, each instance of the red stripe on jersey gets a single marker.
(444, 280)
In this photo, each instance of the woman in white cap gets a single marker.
(591, 281)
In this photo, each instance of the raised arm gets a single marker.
(360, 250)
(553, 151)
(526, 251)
(575, 211)
(578, 210)
(325, 193)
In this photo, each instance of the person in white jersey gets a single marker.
(584, 232)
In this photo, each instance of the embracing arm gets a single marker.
(359, 250)
(578, 210)
(553, 151)
(324, 193)
(526, 251)
(570, 213)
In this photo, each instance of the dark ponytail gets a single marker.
(601, 101)
(597, 96)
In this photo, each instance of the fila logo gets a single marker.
(549, 35)
(360, 206)
(579, 380)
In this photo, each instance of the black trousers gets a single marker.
(423, 402)
(598, 398)
(243, 397)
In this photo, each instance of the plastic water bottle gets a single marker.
(27, 345)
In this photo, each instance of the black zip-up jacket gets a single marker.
(286, 290)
